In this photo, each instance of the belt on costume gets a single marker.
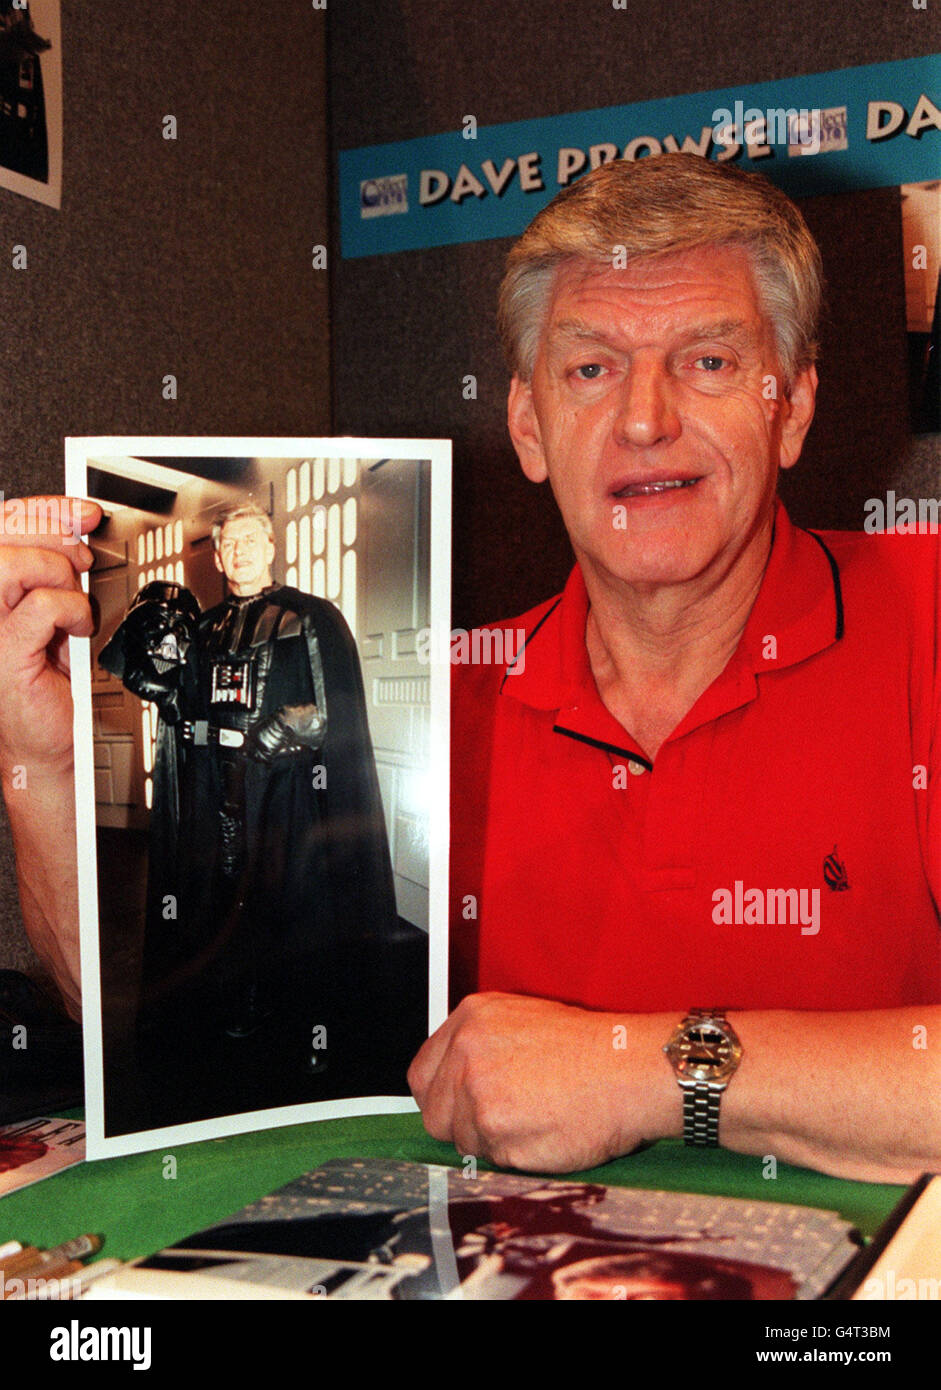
(201, 733)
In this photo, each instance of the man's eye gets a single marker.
(710, 362)
(589, 371)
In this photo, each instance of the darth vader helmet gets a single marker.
(156, 634)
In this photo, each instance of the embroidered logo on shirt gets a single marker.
(834, 871)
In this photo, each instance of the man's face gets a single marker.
(607, 1287)
(245, 555)
(657, 411)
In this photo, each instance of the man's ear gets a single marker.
(796, 415)
(218, 562)
(524, 430)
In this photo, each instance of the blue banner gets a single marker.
(829, 132)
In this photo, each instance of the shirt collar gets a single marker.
(799, 607)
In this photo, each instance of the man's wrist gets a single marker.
(649, 1099)
(21, 773)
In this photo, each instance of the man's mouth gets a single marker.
(654, 488)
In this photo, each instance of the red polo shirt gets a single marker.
(804, 786)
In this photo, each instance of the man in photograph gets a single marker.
(269, 862)
(696, 841)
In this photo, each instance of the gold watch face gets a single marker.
(704, 1051)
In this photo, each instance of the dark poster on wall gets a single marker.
(31, 99)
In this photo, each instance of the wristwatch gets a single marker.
(704, 1052)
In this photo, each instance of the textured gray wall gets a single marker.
(408, 327)
(190, 257)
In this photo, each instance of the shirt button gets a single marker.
(638, 769)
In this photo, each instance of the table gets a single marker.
(138, 1209)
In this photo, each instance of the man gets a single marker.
(662, 374)
(268, 840)
(717, 781)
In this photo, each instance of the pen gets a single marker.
(79, 1248)
(29, 1256)
(26, 1255)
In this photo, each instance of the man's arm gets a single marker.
(534, 1084)
(41, 605)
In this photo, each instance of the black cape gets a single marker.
(317, 871)
(314, 916)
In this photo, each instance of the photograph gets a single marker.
(374, 1229)
(31, 99)
(258, 708)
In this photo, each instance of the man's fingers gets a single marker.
(427, 1061)
(36, 621)
(449, 1111)
(25, 519)
(50, 523)
(464, 1133)
(78, 553)
(33, 568)
(438, 1101)
(447, 1105)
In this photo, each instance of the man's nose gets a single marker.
(647, 412)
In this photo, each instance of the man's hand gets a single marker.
(41, 606)
(533, 1084)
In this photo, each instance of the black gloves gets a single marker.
(288, 731)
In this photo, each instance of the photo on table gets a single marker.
(369, 1228)
(261, 780)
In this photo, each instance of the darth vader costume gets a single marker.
(270, 899)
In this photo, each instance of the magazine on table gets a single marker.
(35, 1149)
(378, 1229)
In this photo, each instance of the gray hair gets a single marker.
(658, 206)
(240, 509)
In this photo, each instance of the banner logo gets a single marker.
(383, 197)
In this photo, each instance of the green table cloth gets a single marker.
(138, 1208)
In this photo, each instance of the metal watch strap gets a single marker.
(701, 1115)
(703, 1075)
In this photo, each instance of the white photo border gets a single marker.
(79, 452)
